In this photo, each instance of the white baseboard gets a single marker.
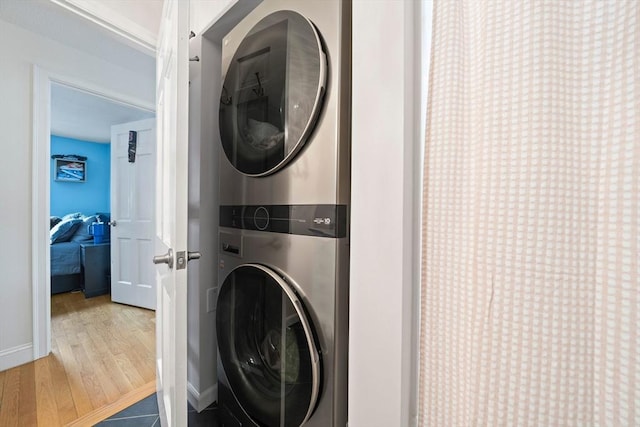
(16, 356)
(198, 400)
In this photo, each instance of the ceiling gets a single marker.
(75, 23)
(87, 117)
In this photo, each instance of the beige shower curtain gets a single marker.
(530, 293)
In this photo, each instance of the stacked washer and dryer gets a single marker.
(282, 308)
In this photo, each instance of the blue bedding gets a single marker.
(65, 258)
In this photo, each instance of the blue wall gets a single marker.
(87, 197)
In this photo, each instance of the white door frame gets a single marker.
(40, 189)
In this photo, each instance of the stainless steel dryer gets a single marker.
(282, 316)
(284, 107)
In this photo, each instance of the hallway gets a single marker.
(102, 360)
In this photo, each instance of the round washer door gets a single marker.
(267, 347)
(272, 93)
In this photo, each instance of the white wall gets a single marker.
(384, 213)
(19, 50)
(216, 18)
(203, 222)
(203, 13)
(204, 141)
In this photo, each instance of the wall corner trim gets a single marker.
(40, 255)
(200, 401)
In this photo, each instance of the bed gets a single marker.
(65, 267)
(66, 236)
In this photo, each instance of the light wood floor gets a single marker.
(101, 351)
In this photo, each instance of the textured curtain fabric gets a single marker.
(530, 294)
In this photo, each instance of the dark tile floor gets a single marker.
(145, 414)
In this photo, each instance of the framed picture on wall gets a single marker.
(70, 170)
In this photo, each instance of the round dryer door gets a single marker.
(272, 93)
(267, 347)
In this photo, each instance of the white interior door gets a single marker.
(171, 212)
(132, 214)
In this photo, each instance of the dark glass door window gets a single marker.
(272, 93)
(267, 347)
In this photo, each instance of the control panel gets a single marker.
(308, 220)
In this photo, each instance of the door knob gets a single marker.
(112, 223)
(164, 259)
(182, 257)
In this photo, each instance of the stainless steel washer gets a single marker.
(281, 316)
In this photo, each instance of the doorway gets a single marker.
(46, 87)
(113, 146)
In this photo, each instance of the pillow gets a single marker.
(63, 231)
(74, 215)
(53, 221)
(82, 232)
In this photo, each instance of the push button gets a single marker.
(261, 218)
